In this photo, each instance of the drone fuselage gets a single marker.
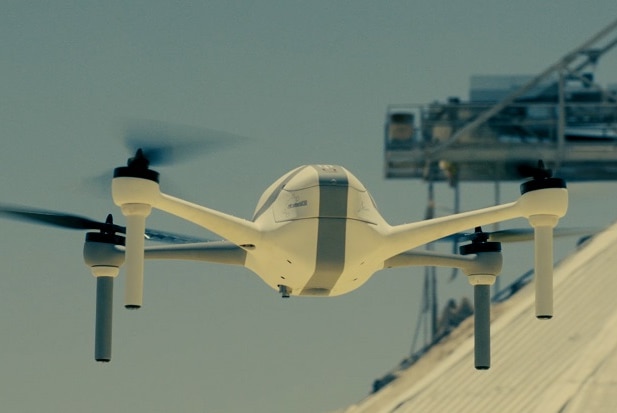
(320, 229)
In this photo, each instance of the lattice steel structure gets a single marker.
(561, 116)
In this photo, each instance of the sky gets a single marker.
(305, 82)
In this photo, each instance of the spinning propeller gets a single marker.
(109, 245)
(76, 222)
(100, 254)
(519, 234)
(162, 143)
(537, 172)
(154, 143)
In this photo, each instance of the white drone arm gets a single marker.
(136, 196)
(237, 230)
(485, 263)
(404, 237)
(221, 252)
(541, 206)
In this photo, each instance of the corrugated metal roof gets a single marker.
(566, 365)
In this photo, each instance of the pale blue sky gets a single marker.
(308, 82)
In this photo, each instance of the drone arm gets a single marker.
(234, 229)
(221, 252)
(543, 208)
(136, 191)
(401, 238)
(481, 263)
(429, 259)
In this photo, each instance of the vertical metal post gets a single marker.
(431, 275)
(561, 119)
(457, 208)
(497, 285)
(421, 314)
(434, 302)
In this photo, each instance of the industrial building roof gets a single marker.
(564, 365)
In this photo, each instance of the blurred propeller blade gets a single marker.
(519, 234)
(538, 171)
(526, 234)
(158, 143)
(56, 219)
(76, 222)
(163, 143)
(171, 237)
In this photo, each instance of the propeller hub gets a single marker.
(105, 238)
(542, 178)
(137, 167)
(478, 247)
(479, 243)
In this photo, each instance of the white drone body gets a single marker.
(316, 231)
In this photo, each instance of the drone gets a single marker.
(315, 232)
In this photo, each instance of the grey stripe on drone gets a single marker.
(331, 232)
